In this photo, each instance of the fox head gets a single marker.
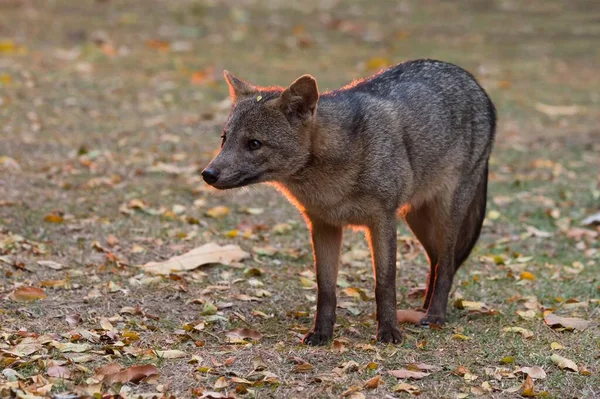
(268, 134)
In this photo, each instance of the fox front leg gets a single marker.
(326, 242)
(382, 239)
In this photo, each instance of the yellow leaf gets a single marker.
(525, 333)
(232, 233)
(53, 218)
(376, 63)
(527, 276)
(218, 211)
(7, 46)
(307, 283)
(493, 215)
(461, 337)
(526, 314)
(556, 346)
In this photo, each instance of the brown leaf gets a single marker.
(373, 382)
(409, 316)
(404, 373)
(239, 334)
(303, 368)
(570, 323)
(132, 374)
(338, 346)
(206, 254)
(59, 372)
(408, 388)
(27, 294)
(423, 367)
(527, 388)
(108, 369)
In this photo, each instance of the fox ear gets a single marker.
(299, 101)
(238, 88)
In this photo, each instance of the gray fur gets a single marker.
(415, 138)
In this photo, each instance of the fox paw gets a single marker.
(391, 335)
(315, 338)
(430, 319)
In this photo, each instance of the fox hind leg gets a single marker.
(421, 221)
(457, 228)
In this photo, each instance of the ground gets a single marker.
(109, 108)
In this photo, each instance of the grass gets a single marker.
(92, 99)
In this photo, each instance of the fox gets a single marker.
(411, 141)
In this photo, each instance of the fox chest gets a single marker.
(333, 207)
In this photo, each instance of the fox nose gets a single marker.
(210, 175)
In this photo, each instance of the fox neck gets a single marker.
(331, 168)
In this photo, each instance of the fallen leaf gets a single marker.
(461, 337)
(206, 254)
(527, 276)
(132, 374)
(422, 367)
(27, 294)
(564, 363)
(71, 347)
(303, 368)
(59, 372)
(535, 372)
(218, 212)
(408, 388)
(527, 388)
(409, 316)
(526, 314)
(51, 264)
(54, 218)
(373, 382)
(556, 346)
(404, 373)
(570, 323)
(221, 383)
(338, 346)
(592, 219)
(525, 333)
(537, 233)
(170, 354)
(377, 63)
(239, 334)
(558, 110)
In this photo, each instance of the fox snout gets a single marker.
(210, 175)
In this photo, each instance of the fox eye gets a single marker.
(254, 145)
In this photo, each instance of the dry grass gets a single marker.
(96, 95)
